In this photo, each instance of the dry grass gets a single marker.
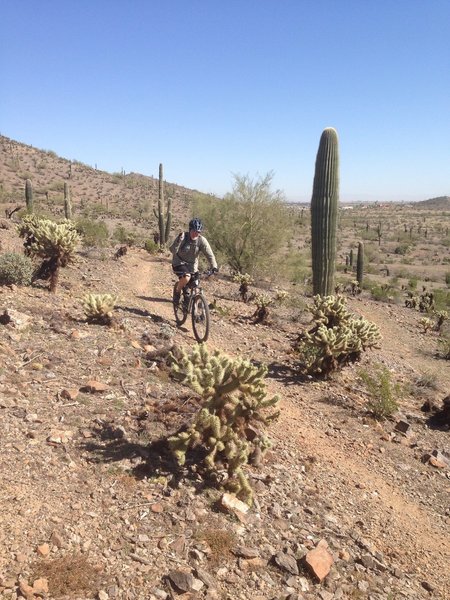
(221, 542)
(69, 575)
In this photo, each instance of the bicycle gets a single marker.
(193, 301)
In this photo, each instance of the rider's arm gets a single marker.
(175, 245)
(206, 249)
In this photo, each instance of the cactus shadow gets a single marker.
(288, 374)
(156, 458)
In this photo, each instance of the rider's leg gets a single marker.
(182, 282)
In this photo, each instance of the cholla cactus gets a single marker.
(261, 314)
(233, 392)
(426, 324)
(54, 242)
(280, 296)
(244, 280)
(441, 316)
(98, 308)
(336, 338)
(355, 288)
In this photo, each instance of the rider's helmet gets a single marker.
(195, 225)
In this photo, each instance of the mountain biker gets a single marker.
(185, 250)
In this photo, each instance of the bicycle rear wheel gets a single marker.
(179, 309)
(200, 318)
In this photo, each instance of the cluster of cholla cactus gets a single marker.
(336, 337)
(54, 242)
(424, 302)
(99, 308)
(244, 280)
(355, 288)
(426, 323)
(234, 397)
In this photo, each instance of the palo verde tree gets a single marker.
(247, 227)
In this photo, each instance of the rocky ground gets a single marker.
(345, 507)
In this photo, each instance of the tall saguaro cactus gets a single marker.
(324, 208)
(29, 195)
(360, 264)
(164, 228)
(67, 201)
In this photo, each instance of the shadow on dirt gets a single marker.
(140, 312)
(155, 299)
(287, 374)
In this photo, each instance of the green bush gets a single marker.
(123, 236)
(248, 227)
(402, 249)
(15, 269)
(383, 392)
(94, 233)
(151, 246)
(384, 293)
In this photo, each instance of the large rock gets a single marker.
(319, 561)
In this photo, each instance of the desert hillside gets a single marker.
(93, 504)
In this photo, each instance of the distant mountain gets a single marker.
(439, 203)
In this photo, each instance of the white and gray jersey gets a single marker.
(185, 251)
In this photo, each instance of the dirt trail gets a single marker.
(396, 524)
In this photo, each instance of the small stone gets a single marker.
(246, 552)
(252, 564)
(157, 508)
(232, 504)
(69, 394)
(56, 539)
(26, 589)
(286, 562)
(102, 595)
(402, 427)
(344, 555)
(182, 580)
(43, 550)
(40, 586)
(427, 586)
(94, 387)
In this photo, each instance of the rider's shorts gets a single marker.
(181, 270)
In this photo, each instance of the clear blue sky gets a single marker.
(215, 87)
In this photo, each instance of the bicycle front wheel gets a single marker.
(179, 309)
(200, 318)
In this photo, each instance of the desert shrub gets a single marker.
(383, 392)
(15, 269)
(427, 379)
(123, 236)
(151, 246)
(447, 279)
(249, 226)
(336, 338)
(384, 293)
(402, 249)
(426, 324)
(441, 299)
(94, 233)
(233, 398)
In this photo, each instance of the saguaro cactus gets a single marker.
(67, 201)
(164, 228)
(324, 208)
(360, 264)
(29, 195)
